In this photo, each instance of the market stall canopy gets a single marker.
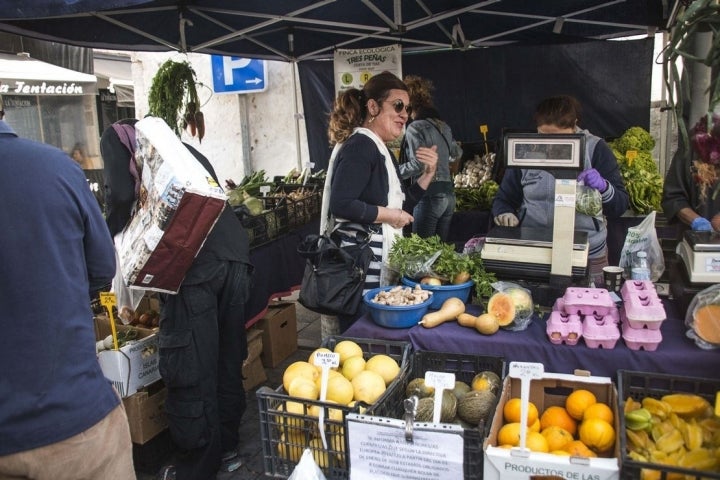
(22, 75)
(295, 30)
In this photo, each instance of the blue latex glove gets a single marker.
(593, 179)
(701, 224)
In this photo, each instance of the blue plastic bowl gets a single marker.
(443, 292)
(394, 317)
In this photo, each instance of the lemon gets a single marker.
(368, 386)
(303, 387)
(340, 390)
(352, 366)
(385, 366)
(299, 368)
(347, 349)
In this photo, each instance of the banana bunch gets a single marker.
(677, 430)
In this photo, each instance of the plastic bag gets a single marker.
(703, 318)
(643, 238)
(127, 299)
(588, 200)
(419, 267)
(307, 469)
(522, 301)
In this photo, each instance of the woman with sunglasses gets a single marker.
(434, 212)
(363, 192)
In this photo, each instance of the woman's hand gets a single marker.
(428, 157)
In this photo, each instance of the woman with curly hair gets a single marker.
(363, 194)
(434, 211)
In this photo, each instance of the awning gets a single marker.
(22, 75)
(116, 71)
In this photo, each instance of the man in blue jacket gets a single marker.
(59, 417)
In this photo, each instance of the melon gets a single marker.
(426, 408)
(522, 300)
(486, 380)
(502, 307)
(476, 406)
(461, 388)
(418, 388)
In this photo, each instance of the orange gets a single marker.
(509, 434)
(578, 449)
(578, 401)
(512, 408)
(597, 434)
(536, 442)
(535, 427)
(558, 417)
(599, 410)
(557, 437)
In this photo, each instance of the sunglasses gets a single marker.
(398, 106)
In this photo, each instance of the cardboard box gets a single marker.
(254, 374)
(146, 412)
(551, 389)
(254, 344)
(279, 327)
(134, 365)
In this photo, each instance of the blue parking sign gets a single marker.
(238, 74)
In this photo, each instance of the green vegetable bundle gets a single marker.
(406, 252)
(640, 174)
(476, 198)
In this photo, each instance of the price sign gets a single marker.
(326, 361)
(265, 189)
(484, 131)
(439, 381)
(108, 300)
(526, 372)
(631, 155)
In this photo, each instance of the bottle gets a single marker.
(640, 268)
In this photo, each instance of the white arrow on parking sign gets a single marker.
(253, 80)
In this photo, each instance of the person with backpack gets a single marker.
(202, 334)
(434, 211)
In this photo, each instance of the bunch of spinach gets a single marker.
(407, 252)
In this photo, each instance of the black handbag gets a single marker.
(334, 276)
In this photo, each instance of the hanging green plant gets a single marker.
(695, 16)
(173, 97)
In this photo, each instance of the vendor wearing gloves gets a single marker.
(527, 195)
(684, 201)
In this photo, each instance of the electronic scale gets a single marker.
(556, 255)
(700, 253)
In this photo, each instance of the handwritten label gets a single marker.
(265, 189)
(526, 370)
(310, 165)
(327, 359)
(440, 380)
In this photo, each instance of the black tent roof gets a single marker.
(296, 30)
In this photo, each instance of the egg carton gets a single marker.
(643, 287)
(564, 328)
(600, 331)
(587, 301)
(640, 338)
(643, 310)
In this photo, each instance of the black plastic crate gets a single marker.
(642, 384)
(286, 433)
(266, 226)
(303, 202)
(465, 367)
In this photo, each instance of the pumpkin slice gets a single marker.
(706, 323)
(502, 307)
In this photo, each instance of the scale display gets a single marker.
(544, 151)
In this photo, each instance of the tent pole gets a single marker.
(700, 77)
(245, 134)
(297, 116)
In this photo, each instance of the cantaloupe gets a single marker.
(426, 408)
(417, 387)
(476, 406)
(502, 307)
